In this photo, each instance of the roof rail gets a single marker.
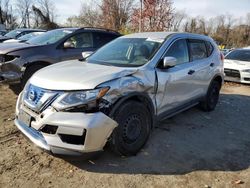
(101, 29)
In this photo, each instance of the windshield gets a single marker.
(12, 34)
(126, 52)
(29, 36)
(50, 37)
(241, 55)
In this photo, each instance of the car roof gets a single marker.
(159, 35)
(164, 35)
(100, 29)
(75, 29)
(28, 29)
(242, 49)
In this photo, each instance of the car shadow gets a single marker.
(16, 88)
(191, 141)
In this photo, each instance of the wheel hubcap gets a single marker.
(132, 128)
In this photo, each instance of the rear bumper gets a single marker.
(89, 132)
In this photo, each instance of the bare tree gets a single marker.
(157, 15)
(6, 14)
(45, 23)
(115, 13)
(89, 16)
(44, 14)
(178, 19)
(24, 8)
(47, 7)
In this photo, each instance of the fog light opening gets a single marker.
(49, 129)
(73, 139)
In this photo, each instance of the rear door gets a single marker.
(175, 85)
(202, 65)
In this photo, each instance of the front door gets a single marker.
(81, 42)
(175, 85)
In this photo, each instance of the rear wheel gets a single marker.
(212, 97)
(29, 72)
(134, 124)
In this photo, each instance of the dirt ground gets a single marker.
(192, 149)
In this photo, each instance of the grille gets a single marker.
(36, 98)
(232, 73)
(37, 92)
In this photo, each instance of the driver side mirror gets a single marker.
(68, 45)
(169, 62)
(85, 55)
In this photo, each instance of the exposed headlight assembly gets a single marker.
(7, 58)
(2, 59)
(246, 70)
(77, 98)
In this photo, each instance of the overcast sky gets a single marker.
(205, 8)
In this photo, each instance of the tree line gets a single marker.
(127, 16)
(28, 14)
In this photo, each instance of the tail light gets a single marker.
(222, 57)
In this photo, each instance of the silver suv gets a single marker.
(119, 93)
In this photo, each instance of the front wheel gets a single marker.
(134, 124)
(212, 97)
(29, 72)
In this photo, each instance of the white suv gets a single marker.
(119, 92)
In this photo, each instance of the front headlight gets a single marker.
(77, 98)
(246, 70)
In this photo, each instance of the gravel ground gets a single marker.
(192, 149)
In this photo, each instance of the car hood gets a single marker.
(77, 75)
(11, 40)
(13, 46)
(4, 38)
(235, 64)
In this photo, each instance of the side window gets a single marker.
(179, 50)
(82, 40)
(210, 48)
(197, 49)
(21, 34)
(103, 38)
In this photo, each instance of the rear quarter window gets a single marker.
(210, 48)
(198, 49)
(103, 38)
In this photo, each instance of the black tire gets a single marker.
(212, 97)
(29, 72)
(134, 125)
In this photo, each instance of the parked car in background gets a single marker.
(225, 51)
(14, 34)
(18, 61)
(3, 32)
(237, 66)
(24, 38)
(119, 92)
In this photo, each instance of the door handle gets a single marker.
(190, 72)
(211, 64)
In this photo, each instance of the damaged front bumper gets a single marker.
(66, 133)
(10, 72)
(10, 77)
